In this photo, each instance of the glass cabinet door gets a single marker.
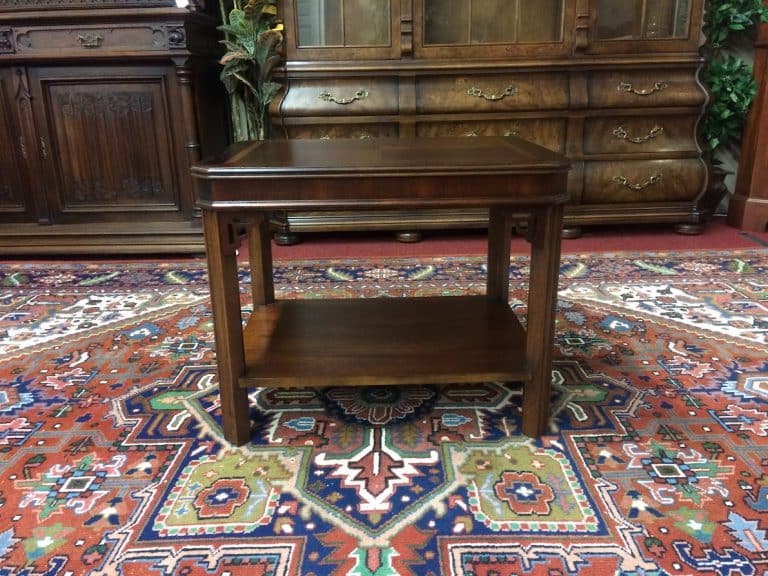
(492, 27)
(343, 22)
(341, 28)
(659, 24)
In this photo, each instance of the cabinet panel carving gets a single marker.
(92, 105)
(85, 120)
(6, 41)
(128, 190)
(97, 39)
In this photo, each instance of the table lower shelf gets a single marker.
(379, 341)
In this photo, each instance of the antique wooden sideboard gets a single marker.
(613, 85)
(104, 105)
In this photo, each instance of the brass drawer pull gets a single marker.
(621, 133)
(657, 87)
(624, 181)
(328, 97)
(360, 136)
(90, 40)
(478, 93)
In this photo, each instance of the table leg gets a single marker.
(260, 256)
(221, 244)
(542, 299)
(499, 237)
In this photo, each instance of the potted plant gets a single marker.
(731, 85)
(252, 37)
(728, 77)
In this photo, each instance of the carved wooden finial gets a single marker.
(406, 35)
(581, 29)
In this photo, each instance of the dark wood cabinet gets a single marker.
(613, 85)
(16, 197)
(106, 108)
(109, 146)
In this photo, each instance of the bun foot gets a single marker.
(409, 237)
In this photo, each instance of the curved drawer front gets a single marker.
(653, 133)
(491, 93)
(344, 97)
(56, 40)
(645, 88)
(643, 181)
(331, 131)
(546, 132)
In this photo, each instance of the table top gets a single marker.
(408, 173)
(385, 155)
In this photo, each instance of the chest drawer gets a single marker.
(341, 97)
(547, 132)
(643, 181)
(653, 133)
(59, 40)
(332, 131)
(631, 88)
(491, 93)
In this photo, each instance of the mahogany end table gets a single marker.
(381, 341)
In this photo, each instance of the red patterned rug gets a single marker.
(655, 461)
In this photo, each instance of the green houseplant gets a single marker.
(252, 37)
(728, 77)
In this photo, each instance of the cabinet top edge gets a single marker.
(30, 18)
(416, 65)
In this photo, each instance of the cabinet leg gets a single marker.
(572, 232)
(689, 229)
(409, 237)
(286, 238)
(542, 299)
(220, 243)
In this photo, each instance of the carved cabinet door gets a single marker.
(16, 146)
(107, 143)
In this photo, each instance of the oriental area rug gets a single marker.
(655, 460)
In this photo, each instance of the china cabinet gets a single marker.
(104, 104)
(613, 84)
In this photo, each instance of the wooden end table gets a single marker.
(379, 341)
